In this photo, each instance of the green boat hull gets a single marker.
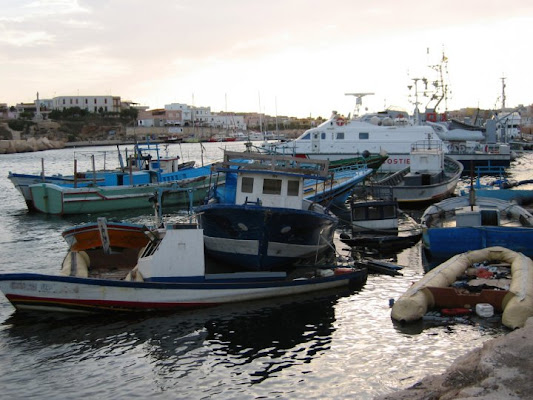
(56, 200)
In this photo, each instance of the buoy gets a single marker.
(484, 310)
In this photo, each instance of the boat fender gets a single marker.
(484, 310)
(343, 270)
(76, 263)
(134, 275)
(324, 272)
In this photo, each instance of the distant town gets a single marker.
(83, 118)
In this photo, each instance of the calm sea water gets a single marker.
(335, 344)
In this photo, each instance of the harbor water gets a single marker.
(334, 344)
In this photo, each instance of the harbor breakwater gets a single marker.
(29, 145)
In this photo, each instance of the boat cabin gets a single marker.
(149, 163)
(271, 190)
(477, 216)
(372, 215)
(146, 157)
(269, 180)
(426, 163)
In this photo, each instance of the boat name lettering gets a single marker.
(398, 161)
(24, 286)
(51, 288)
(46, 288)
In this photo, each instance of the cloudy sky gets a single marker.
(285, 57)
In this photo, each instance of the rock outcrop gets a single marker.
(32, 144)
(500, 369)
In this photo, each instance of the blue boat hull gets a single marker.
(519, 196)
(263, 238)
(443, 243)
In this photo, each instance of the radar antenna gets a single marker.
(358, 101)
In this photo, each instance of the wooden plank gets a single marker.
(275, 163)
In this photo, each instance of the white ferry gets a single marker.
(339, 138)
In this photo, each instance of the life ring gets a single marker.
(340, 121)
(431, 117)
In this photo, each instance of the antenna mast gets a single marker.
(503, 92)
(358, 101)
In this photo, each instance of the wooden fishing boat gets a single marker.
(53, 199)
(106, 235)
(431, 176)
(519, 192)
(171, 273)
(127, 187)
(381, 225)
(460, 224)
(263, 217)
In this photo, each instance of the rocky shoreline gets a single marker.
(501, 369)
(29, 145)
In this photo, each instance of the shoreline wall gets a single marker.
(29, 145)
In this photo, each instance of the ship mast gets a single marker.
(503, 92)
(435, 90)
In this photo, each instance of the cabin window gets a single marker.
(374, 213)
(293, 188)
(323, 135)
(306, 137)
(389, 212)
(359, 214)
(340, 135)
(272, 186)
(363, 135)
(247, 185)
(315, 135)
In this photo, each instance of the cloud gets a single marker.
(23, 11)
(26, 39)
(307, 53)
(45, 8)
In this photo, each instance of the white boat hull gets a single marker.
(72, 294)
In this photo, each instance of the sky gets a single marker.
(280, 57)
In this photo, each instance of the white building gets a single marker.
(159, 118)
(204, 117)
(233, 122)
(190, 114)
(90, 103)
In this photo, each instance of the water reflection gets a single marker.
(251, 341)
